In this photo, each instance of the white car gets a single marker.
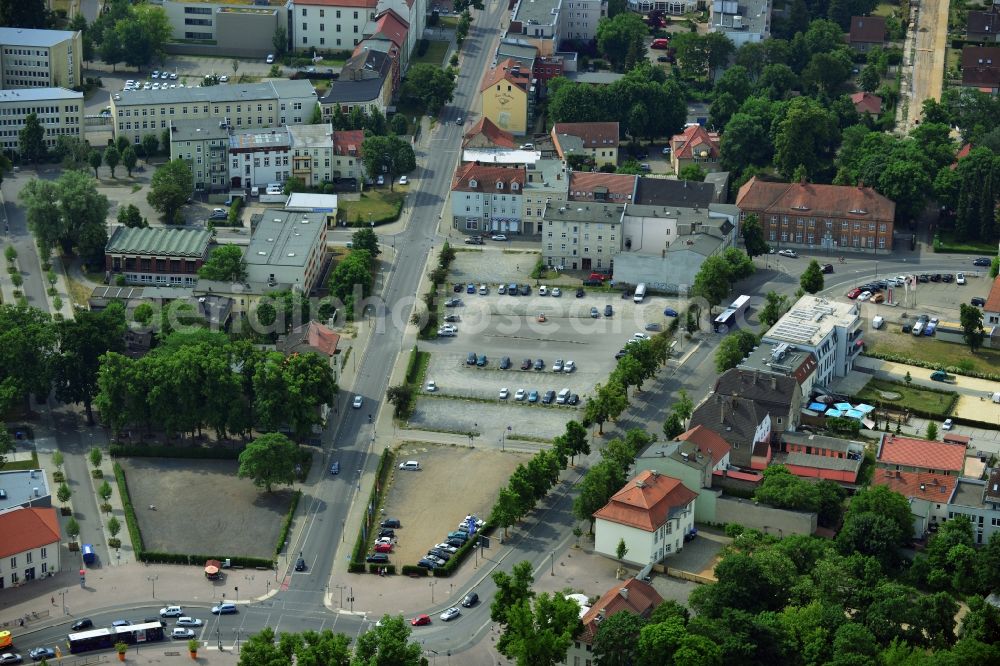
(451, 613)
(223, 79)
(788, 253)
(446, 547)
(640, 336)
(449, 327)
(504, 393)
(960, 278)
(558, 365)
(543, 291)
(173, 76)
(483, 290)
(431, 386)
(357, 402)
(556, 291)
(155, 74)
(520, 395)
(569, 366)
(864, 296)
(186, 621)
(498, 237)
(182, 633)
(171, 611)
(403, 180)
(447, 332)
(947, 424)
(270, 59)
(156, 86)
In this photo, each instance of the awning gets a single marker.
(211, 571)
(844, 406)
(834, 412)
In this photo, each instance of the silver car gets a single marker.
(451, 613)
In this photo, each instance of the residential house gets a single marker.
(485, 135)
(781, 359)
(507, 95)
(695, 145)
(741, 423)
(313, 338)
(60, 113)
(819, 217)
(601, 187)
(866, 103)
(536, 24)
(818, 457)
(329, 25)
(227, 27)
(312, 154)
(991, 311)
(829, 330)
(866, 33)
(34, 58)
(983, 26)
(388, 33)
(595, 141)
(204, 145)
(780, 395)
(414, 13)
(742, 21)
(578, 19)
(366, 81)
(673, 7)
(927, 492)
(30, 547)
(672, 193)
(909, 454)
(156, 255)
(259, 157)
(546, 181)
(693, 457)
(487, 198)
(981, 68)
(581, 236)
(237, 105)
(652, 514)
(347, 156)
(633, 596)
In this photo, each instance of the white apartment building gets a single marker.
(243, 105)
(581, 236)
(259, 157)
(830, 330)
(30, 547)
(742, 21)
(329, 24)
(487, 198)
(59, 110)
(40, 58)
(546, 181)
(578, 18)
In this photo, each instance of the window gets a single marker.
(13, 562)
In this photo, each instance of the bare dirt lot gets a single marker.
(452, 483)
(201, 507)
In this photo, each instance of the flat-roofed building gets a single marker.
(238, 105)
(287, 250)
(830, 330)
(60, 111)
(31, 58)
(156, 255)
(581, 236)
(234, 28)
(259, 156)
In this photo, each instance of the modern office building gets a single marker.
(60, 111)
(330, 25)
(40, 58)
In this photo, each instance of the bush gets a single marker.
(460, 556)
(57, 303)
(97, 474)
(17, 279)
(114, 542)
(390, 569)
(118, 450)
(58, 477)
(131, 523)
(414, 570)
(106, 507)
(286, 525)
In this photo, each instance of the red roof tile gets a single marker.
(839, 201)
(25, 529)
(593, 135)
(993, 300)
(708, 441)
(693, 141)
(348, 142)
(646, 501)
(487, 128)
(603, 187)
(921, 453)
(510, 70)
(924, 485)
(865, 102)
(867, 30)
(487, 177)
(393, 26)
(632, 596)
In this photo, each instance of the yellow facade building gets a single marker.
(507, 97)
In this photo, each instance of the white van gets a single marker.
(640, 292)
(410, 466)
(918, 328)
(254, 191)
(562, 397)
(877, 322)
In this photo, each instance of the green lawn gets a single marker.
(436, 50)
(448, 22)
(912, 397)
(886, 9)
(376, 204)
(22, 465)
(932, 350)
(945, 242)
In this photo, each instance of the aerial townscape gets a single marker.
(514, 332)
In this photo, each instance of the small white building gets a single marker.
(29, 548)
(652, 513)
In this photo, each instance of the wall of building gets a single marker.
(246, 32)
(58, 66)
(506, 106)
(670, 275)
(765, 518)
(59, 117)
(17, 569)
(329, 28)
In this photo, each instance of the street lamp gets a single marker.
(552, 563)
(152, 580)
(503, 437)
(431, 585)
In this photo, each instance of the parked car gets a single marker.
(482, 361)
(378, 558)
(185, 621)
(539, 364)
(383, 547)
(580, 293)
(391, 522)
(181, 633)
(960, 278)
(357, 402)
(573, 399)
(450, 613)
(498, 237)
(387, 532)
(826, 268)
(608, 310)
(470, 600)
(556, 292)
(121, 623)
(40, 653)
(569, 366)
(431, 386)
(543, 291)
(335, 467)
(948, 278)
(505, 363)
(533, 396)
(504, 393)
(420, 620)
(548, 397)
(300, 564)
(448, 548)
(788, 253)
(471, 358)
(864, 296)
(426, 563)
(470, 288)
(270, 59)
(483, 290)
(10, 658)
(594, 313)
(978, 301)
(440, 554)
(558, 365)
(669, 312)
(526, 364)
(171, 611)
(525, 290)
(853, 293)
(447, 332)
(947, 425)
(936, 277)
(520, 394)
(403, 180)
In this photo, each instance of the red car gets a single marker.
(420, 620)
(854, 293)
(383, 548)
(598, 276)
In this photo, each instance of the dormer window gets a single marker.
(473, 183)
(514, 186)
(499, 185)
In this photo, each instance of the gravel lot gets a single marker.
(475, 264)
(490, 421)
(182, 491)
(454, 378)
(453, 483)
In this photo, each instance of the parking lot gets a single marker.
(452, 483)
(935, 299)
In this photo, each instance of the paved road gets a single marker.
(17, 234)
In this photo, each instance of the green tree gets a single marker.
(129, 216)
(170, 188)
(72, 528)
(512, 588)
(971, 319)
(398, 124)
(595, 489)
(753, 236)
(143, 313)
(57, 460)
(95, 159)
(932, 431)
(388, 645)
(129, 159)
(150, 146)
(268, 460)
(617, 36)
(616, 642)
(429, 86)
(24, 14)
(225, 264)
(351, 280)
(31, 140)
(104, 491)
(63, 493)
(95, 456)
(387, 155)
(807, 135)
(27, 348)
(775, 305)
(733, 349)
(692, 172)
(811, 279)
(141, 35)
(869, 79)
(507, 509)
(712, 281)
(112, 158)
(114, 527)
(575, 440)
(747, 140)
(621, 550)
(262, 648)
(366, 239)
(280, 41)
(673, 426)
(539, 631)
(739, 265)
(82, 342)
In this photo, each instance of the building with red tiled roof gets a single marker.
(508, 96)
(310, 337)
(652, 513)
(866, 103)
(596, 141)
(991, 310)
(929, 495)
(695, 145)
(866, 32)
(485, 134)
(814, 216)
(388, 32)
(487, 198)
(632, 596)
(981, 67)
(602, 187)
(29, 548)
(691, 457)
(909, 454)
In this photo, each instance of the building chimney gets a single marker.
(624, 593)
(774, 383)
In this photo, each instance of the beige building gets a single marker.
(203, 145)
(597, 141)
(581, 236)
(59, 110)
(232, 28)
(334, 25)
(240, 106)
(30, 547)
(546, 181)
(40, 58)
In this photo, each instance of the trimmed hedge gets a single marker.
(131, 523)
(460, 556)
(118, 450)
(412, 366)
(899, 358)
(390, 569)
(371, 519)
(414, 570)
(286, 525)
(195, 559)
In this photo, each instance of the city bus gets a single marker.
(105, 639)
(139, 633)
(727, 321)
